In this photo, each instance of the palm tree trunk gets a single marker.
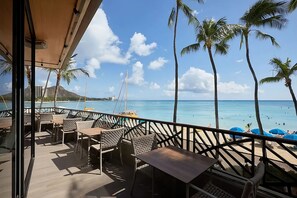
(176, 66)
(57, 88)
(215, 98)
(256, 86)
(28, 75)
(215, 87)
(293, 97)
(45, 87)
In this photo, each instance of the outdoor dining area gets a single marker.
(83, 154)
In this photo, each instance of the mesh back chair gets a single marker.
(141, 145)
(27, 119)
(69, 126)
(249, 190)
(82, 125)
(45, 118)
(110, 139)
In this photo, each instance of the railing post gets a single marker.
(188, 138)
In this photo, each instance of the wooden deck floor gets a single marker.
(57, 173)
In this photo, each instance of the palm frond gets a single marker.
(188, 12)
(171, 18)
(5, 67)
(292, 5)
(264, 36)
(265, 12)
(221, 48)
(191, 48)
(270, 80)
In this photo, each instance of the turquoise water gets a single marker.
(280, 114)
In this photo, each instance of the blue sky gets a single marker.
(133, 36)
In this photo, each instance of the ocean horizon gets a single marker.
(274, 113)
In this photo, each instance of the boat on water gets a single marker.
(122, 98)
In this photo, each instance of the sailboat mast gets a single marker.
(126, 94)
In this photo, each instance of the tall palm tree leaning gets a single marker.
(284, 71)
(172, 21)
(67, 73)
(262, 13)
(45, 87)
(213, 35)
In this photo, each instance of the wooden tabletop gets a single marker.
(181, 164)
(5, 122)
(91, 131)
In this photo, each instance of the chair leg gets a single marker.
(133, 182)
(100, 161)
(121, 157)
(63, 138)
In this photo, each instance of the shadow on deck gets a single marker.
(59, 171)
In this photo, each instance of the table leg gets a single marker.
(153, 182)
(89, 146)
(187, 190)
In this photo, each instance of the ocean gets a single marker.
(274, 113)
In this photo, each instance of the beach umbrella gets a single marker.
(291, 136)
(237, 129)
(257, 132)
(278, 131)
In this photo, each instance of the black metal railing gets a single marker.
(237, 153)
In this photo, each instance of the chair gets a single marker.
(110, 139)
(82, 125)
(45, 118)
(141, 145)
(249, 190)
(69, 126)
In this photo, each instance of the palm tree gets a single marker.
(67, 73)
(45, 87)
(292, 5)
(262, 13)
(6, 68)
(172, 21)
(212, 34)
(284, 71)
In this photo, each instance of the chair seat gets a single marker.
(214, 190)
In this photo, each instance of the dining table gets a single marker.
(90, 133)
(181, 164)
(57, 124)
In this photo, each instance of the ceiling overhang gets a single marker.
(58, 24)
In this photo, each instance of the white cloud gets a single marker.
(100, 43)
(8, 85)
(121, 74)
(157, 64)
(195, 12)
(43, 82)
(92, 65)
(76, 88)
(239, 60)
(111, 89)
(238, 72)
(137, 77)
(199, 81)
(139, 46)
(231, 87)
(154, 86)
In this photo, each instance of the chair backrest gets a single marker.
(144, 143)
(69, 124)
(103, 124)
(84, 124)
(46, 117)
(27, 118)
(251, 186)
(111, 137)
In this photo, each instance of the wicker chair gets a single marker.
(249, 190)
(110, 139)
(69, 126)
(45, 118)
(82, 125)
(141, 145)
